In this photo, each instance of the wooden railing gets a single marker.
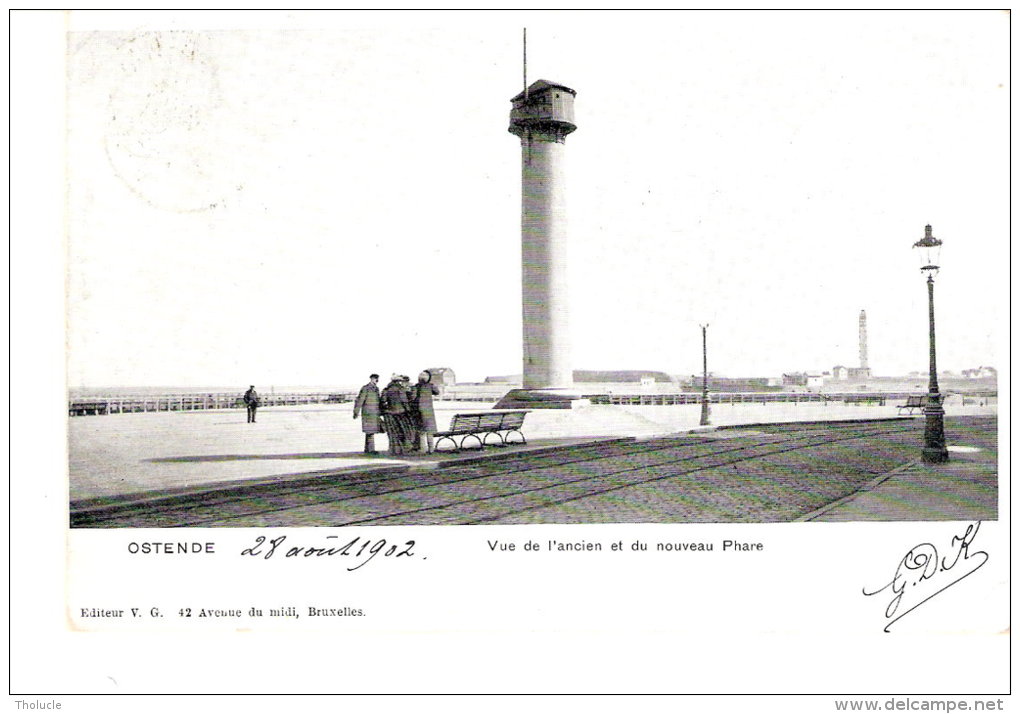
(194, 402)
(856, 398)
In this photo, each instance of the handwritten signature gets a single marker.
(910, 586)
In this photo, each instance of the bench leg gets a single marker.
(440, 440)
(468, 436)
(506, 437)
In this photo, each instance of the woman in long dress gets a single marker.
(413, 418)
(396, 416)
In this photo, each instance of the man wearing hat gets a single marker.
(423, 393)
(251, 400)
(367, 404)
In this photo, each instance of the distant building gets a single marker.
(600, 376)
(981, 373)
(619, 375)
(442, 377)
(738, 384)
(858, 372)
(729, 384)
(504, 379)
(840, 372)
(803, 379)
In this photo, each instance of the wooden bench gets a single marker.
(482, 425)
(917, 401)
(864, 399)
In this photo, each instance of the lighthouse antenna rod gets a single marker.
(525, 64)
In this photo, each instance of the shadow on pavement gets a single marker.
(253, 457)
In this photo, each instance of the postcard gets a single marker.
(511, 352)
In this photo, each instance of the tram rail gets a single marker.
(242, 503)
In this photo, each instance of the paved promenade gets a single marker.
(966, 487)
(134, 457)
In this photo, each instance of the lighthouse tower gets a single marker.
(542, 116)
(862, 330)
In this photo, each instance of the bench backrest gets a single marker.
(512, 420)
(487, 421)
(465, 422)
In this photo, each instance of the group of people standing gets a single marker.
(404, 411)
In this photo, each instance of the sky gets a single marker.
(303, 199)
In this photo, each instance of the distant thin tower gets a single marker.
(863, 335)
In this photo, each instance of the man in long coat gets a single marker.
(423, 393)
(251, 401)
(367, 404)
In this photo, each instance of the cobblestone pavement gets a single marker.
(758, 474)
(965, 488)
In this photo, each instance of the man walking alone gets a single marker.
(251, 400)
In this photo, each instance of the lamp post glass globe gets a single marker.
(934, 450)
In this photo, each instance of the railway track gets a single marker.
(484, 491)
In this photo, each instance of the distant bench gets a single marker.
(864, 399)
(918, 401)
(482, 425)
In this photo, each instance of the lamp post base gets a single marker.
(934, 450)
(934, 455)
(705, 420)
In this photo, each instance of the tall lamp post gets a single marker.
(704, 376)
(934, 450)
